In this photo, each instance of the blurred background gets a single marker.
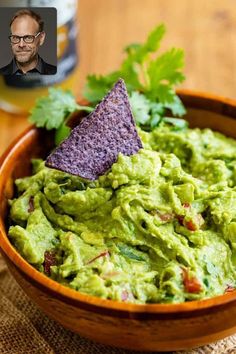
(205, 30)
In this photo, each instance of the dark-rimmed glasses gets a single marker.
(29, 38)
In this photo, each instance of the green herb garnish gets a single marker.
(150, 82)
(148, 114)
(52, 111)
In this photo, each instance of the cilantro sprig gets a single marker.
(150, 81)
(149, 114)
(52, 111)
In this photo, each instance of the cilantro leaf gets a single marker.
(140, 106)
(50, 111)
(164, 72)
(177, 123)
(150, 80)
(97, 86)
(61, 133)
(176, 107)
(132, 69)
(149, 114)
(139, 52)
(153, 76)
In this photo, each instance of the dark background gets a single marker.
(48, 51)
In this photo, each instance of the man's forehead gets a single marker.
(24, 25)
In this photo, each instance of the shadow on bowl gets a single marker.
(151, 327)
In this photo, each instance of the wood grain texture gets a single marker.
(156, 327)
(206, 31)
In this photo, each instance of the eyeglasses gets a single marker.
(29, 38)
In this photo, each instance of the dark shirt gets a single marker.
(42, 68)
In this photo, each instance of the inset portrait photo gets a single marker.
(28, 39)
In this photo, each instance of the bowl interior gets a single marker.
(202, 111)
(16, 162)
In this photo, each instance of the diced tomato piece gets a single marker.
(181, 217)
(49, 260)
(186, 205)
(191, 225)
(191, 284)
(195, 223)
(229, 289)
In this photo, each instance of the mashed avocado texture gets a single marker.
(159, 227)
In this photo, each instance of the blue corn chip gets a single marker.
(93, 146)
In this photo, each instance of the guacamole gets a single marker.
(158, 227)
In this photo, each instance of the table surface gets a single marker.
(206, 31)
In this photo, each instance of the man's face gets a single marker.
(26, 52)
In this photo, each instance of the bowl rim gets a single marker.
(110, 307)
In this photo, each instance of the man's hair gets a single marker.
(34, 15)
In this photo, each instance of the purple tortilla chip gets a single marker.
(93, 146)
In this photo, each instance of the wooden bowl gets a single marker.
(156, 327)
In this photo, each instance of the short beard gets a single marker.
(25, 63)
